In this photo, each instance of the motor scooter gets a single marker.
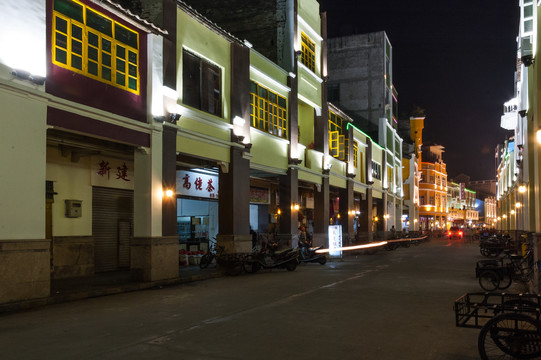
(309, 254)
(269, 258)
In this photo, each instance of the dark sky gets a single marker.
(453, 58)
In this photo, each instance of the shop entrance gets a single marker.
(197, 222)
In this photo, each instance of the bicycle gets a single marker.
(509, 323)
(211, 254)
(500, 273)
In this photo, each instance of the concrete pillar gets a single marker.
(25, 256)
(234, 205)
(169, 180)
(367, 217)
(289, 197)
(321, 214)
(346, 215)
(153, 256)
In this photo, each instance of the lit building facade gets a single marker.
(146, 137)
(461, 205)
(433, 189)
(412, 175)
(77, 102)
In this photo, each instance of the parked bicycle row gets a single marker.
(509, 322)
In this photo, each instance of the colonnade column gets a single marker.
(153, 255)
(366, 218)
(346, 212)
(234, 204)
(289, 197)
(321, 213)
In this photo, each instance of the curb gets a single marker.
(106, 290)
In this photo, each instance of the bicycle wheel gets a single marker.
(509, 336)
(484, 251)
(489, 280)
(505, 281)
(206, 259)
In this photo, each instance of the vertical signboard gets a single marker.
(335, 240)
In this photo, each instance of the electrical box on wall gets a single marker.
(74, 208)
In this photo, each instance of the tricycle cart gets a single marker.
(509, 323)
(494, 274)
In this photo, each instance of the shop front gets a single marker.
(197, 208)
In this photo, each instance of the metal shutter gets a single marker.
(112, 228)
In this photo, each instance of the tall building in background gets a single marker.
(360, 79)
(360, 83)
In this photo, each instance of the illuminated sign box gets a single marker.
(191, 183)
(335, 240)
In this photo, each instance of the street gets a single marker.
(390, 305)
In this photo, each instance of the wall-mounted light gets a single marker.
(279, 212)
(338, 216)
(295, 207)
(538, 135)
(25, 75)
(173, 118)
(167, 193)
(512, 212)
(238, 128)
(376, 218)
(527, 60)
(517, 205)
(504, 216)
(522, 189)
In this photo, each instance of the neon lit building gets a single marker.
(433, 189)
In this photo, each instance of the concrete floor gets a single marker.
(390, 305)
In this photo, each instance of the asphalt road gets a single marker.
(390, 305)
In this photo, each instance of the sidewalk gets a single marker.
(109, 283)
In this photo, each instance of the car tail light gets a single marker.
(449, 233)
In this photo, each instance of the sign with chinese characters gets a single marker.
(111, 172)
(335, 240)
(259, 195)
(462, 191)
(197, 184)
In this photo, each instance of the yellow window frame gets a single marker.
(355, 154)
(337, 139)
(267, 115)
(130, 70)
(308, 52)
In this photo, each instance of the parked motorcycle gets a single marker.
(308, 253)
(270, 258)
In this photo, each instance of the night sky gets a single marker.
(454, 58)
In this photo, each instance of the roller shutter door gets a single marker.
(112, 228)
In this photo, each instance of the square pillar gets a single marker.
(346, 212)
(321, 214)
(153, 256)
(289, 197)
(234, 205)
